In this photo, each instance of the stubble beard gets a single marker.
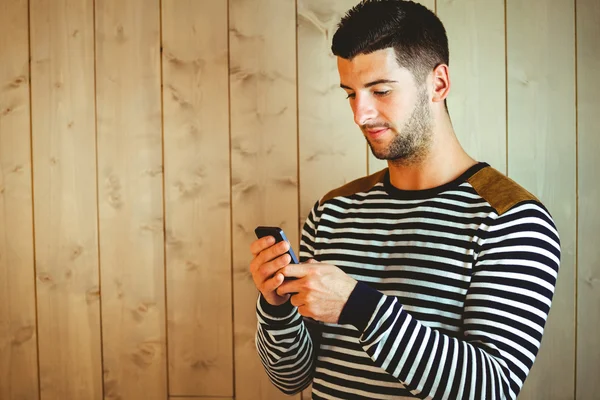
(411, 145)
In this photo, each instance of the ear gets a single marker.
(441, 83)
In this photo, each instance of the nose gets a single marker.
(363, 109)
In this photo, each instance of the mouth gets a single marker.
(376, 133)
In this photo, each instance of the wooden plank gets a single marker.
(65, 206)
(18, 338)
(477, 101)
(541, 156)
(374, 164)
(588, 104)
(196, 121)
(331, 146)
(264, 159)
(431, 4)
(131, 198)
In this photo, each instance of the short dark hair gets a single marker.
(416, 34)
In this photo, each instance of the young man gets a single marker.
(430, 279)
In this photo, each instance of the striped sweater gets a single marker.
(454, 288)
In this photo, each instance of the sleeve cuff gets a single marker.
(275, 312)
(360, 306)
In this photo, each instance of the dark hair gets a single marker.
(416, 34)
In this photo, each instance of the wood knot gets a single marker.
(45, 277)
(18, 81)
(92, 295)
(191, 266)
(76, 252)
(204, 364)
(22, 335)
(144, 355)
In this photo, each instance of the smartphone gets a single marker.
(279, 236)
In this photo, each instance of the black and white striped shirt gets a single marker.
(455, 285)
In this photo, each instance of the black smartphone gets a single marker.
(279, 236)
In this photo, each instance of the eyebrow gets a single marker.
(377, 82)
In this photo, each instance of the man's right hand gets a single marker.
(268, 259)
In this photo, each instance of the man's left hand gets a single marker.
(320, 290)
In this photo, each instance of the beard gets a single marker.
(411, 144)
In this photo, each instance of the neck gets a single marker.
(445, 160)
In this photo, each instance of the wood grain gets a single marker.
(541, 157)
(264, 159)
(477, 101)
(65, 206)
(332, 147)
(588, 104)
(18, 338)
(375, 164)
(130, 174)
(196, 121)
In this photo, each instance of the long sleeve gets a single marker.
(284, 339)
(505, 311)
(284, 346)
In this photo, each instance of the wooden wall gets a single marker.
(142, 141)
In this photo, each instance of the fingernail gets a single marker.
(270, 240)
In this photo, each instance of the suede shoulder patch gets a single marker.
(499, 190)
(356, 186)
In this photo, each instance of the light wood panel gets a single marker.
(477, 101)
(588, 105)
(196, 121)
(541, 156)
(18, 339)
(374, 164)
(131, 198)
(64, 171)
(431, 4)
(264, 159)
(331, 146)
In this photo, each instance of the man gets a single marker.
(430, 279)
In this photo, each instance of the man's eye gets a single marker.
(350, 96)
(382, 93)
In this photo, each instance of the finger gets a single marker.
(267, 254)
(273, 252)
(261, 244)
(290, 286)
(312, 261)
(305, 311)
(298, 300)
(296, 270)
(267, 270)
(273, 283)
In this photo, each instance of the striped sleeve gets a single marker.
(506, 308)
(283, 340)
(284, 346)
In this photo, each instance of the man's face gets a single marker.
(391, 110)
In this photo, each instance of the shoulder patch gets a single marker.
(499, 190)
(358, 185)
